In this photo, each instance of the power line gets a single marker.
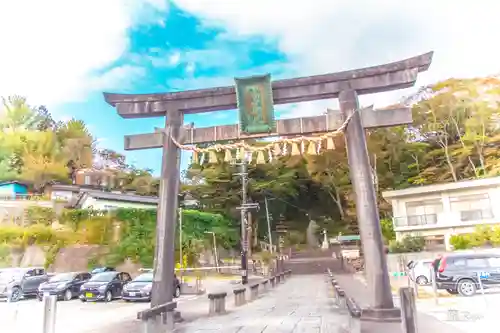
(288, 203)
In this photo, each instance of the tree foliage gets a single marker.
(38, 150)
(455, 135)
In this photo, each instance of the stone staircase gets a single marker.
(311, 261)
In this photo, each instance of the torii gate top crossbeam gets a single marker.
(392, 76)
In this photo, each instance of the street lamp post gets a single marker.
(216, 255)
(268, 219)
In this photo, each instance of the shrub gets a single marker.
(460, 242)
(137, 234)
(97, 230)
(495, 236)
(266, 257)
(40, 215)
(387, 229)
(407, 244)
(34, 234)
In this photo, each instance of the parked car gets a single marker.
(102, 269)
(65, 286)
(139, 289)
(105, 286)
(457, 273)
(420, 271)
(18, 283)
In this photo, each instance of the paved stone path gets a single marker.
(301, 304)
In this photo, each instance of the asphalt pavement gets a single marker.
(468, 314)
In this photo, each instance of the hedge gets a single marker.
(137, 233)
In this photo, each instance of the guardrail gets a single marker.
(192, 269)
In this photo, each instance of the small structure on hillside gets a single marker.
(13, 190)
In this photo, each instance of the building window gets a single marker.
(87, 180)
(434, 243)
(472, 207)
(421, 213)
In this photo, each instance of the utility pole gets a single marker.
(269, 227)
(245, 206)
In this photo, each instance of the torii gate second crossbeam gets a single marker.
(344, 85)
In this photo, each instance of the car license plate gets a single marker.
(46, 294)
(89, 295)
(132, 294)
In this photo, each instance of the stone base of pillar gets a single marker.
(177, 317)
(384, 315)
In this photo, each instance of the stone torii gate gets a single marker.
(346, 86)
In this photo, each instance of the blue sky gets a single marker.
(172, 61)
(83, 48)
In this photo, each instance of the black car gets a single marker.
(65, 286)
(139, 289)
(105, 286)
(459, 273)
(102, 269)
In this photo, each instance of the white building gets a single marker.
(80, 197)
(437, 212)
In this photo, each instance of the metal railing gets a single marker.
(415, 220)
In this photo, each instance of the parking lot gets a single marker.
(72, 316)
(469, 314)
(96, 317)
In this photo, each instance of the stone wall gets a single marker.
(73, 258)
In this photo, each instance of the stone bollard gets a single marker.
(272, 279)
(254, 291)
(217, 303)
(282, 277)
(160, 318)
(239, 296)
(288, 273)
(277, 276)
(264, 285)
(340, 297)
(408, 310)
(49, 313)
(354, 324)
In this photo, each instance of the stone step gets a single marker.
(311, 266)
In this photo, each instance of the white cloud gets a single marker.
(55, 51)
(190, 68)
(175, 58)
(321, 36)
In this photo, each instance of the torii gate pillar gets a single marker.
(381, 303)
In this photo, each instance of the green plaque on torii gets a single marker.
(255, 104)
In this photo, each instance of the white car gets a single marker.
(420, 271)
